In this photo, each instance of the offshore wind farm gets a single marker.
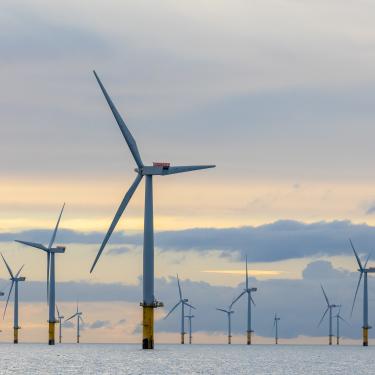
(261, 261)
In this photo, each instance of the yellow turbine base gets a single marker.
(365, 336)
(51, 333)
(248, 338)
(148, 327)
(15, 335)
(330, 340)
(229, 340)
(182, 338)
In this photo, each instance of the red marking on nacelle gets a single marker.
(161, 164)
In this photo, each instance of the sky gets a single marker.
(277, 93)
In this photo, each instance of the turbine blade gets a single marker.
(325, 295)
(356, 255)
(6, 305)
(179, 287)
(191, 306)
(58, 312)
(33, 244)
(19, 271)
(48, 270)
(7, 266)
(247, 276)
(81, 319)
(325, 312)
(174, 307)
(56, 227)
(356, 292)
(236, 299)
(71, 317)
(119, 212)
(368, 257)
(186, 168)
(340, 317)
(222, 310)
(252, 301)
(124, 130)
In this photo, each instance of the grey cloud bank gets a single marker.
(281, 240)
(299, 303)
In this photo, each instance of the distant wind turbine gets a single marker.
(338, 318)
(51, 251)
(276, 328)
(157, 169)
(60, 318)
(249, 302)
(189, 318)
(77, 314)
(229, 312)
(183, 302)
(329, 308)
(363, 271)
(15, 280)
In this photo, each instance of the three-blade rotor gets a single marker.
(182, 300)
(49, 249)
(141, 170)
(13, 278)
(362, 269)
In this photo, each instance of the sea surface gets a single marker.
(188, 359)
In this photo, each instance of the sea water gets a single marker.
(28, 359)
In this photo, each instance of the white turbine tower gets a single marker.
(183, 302)
(51, 279)
(276, 320)
(338, 318)
(250, 301)
(77, 314)
(189, 318)
(149, 302)
(60, 318)
(228, 312)
(363, 271)
(15, 280)
(329, 308)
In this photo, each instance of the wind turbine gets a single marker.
(338, 318)
(183, 302)
(329, 308)
(190, 317)
(77, 314)
(60, 318)
(276, 327)
(363, 271)
(229, 313)
(249, 302)
(157, 169)
(15, 280)
(51, 251)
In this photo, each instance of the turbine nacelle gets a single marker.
(20, 279)
(157, 170)
(58, 249)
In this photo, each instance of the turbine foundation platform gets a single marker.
(51, 333)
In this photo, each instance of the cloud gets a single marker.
(370, 210)
(68, 324)
(118, 250)
(321, 270)
(281, 240)
(100, 324)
